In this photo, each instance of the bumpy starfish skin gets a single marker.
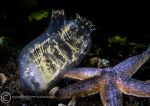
(109, 82)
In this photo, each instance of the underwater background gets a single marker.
(122, 30)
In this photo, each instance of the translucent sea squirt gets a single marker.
(62, 46)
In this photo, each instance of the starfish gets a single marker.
(110, 83)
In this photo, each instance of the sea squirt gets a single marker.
(61, 46)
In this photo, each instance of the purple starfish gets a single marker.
(109, 82)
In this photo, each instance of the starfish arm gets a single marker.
(133, 87)
(82, 88)
(129, 66)
(110, 96)
(81, 73)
